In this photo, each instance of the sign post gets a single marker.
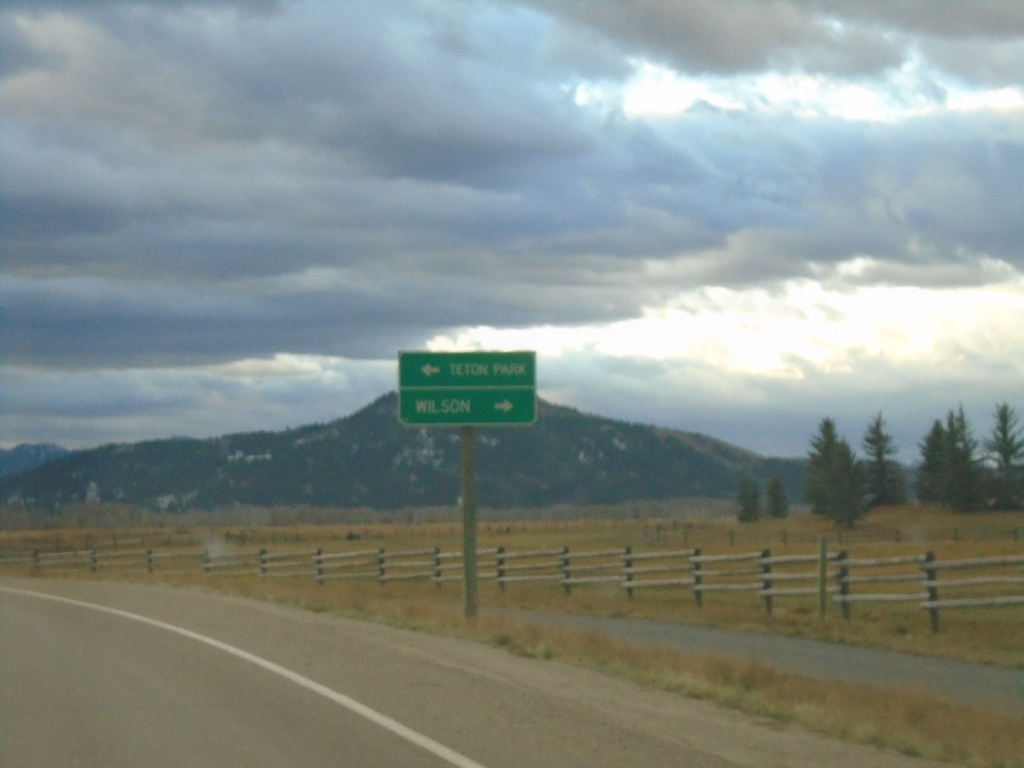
(467, 389)
(467, 442)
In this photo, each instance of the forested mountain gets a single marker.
(369, 460)
(28, 456)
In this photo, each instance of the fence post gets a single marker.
(437, 567)
(263, 561)
(766, 579)
(695, 568)
(565, 570)
(500, 568)
(35, 558)
(932, 575)
(318, 564)
(204, 561)
(822, 576)
(627, 566)
(92, 560)
(844, 584)
(381, 566)
(149, 560)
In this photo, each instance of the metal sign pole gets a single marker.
(467, 439)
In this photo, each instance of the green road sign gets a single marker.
(467, 388)
(467, 406)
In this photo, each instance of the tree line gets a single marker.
(956, 471)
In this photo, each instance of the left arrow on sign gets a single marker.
(430, 370)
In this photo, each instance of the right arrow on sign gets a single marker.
(504, 406)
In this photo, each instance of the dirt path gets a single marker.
(963, 682)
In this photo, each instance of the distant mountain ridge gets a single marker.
(28, 456)
(369, 460)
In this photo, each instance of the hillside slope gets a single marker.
(369, 460)
(28, 456)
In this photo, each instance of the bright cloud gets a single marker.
(801, 326)
(910, 91)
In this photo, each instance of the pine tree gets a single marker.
(835, 485)
(1006, 451)
(931, 475)
(964, 491)
(748, 501)
(775, 499)
(820, 489)
(884, 479)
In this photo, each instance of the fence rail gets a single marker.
(913, 578)
(686, 532)
(1001, 578)
(890, 570)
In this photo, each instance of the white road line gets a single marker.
(424, 742)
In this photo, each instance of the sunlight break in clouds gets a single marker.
(907, 92)
(804, 327)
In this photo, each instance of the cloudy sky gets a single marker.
(727, 216)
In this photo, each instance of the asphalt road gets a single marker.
(127, 675)
(961, 682)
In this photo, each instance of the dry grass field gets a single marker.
(911, 722)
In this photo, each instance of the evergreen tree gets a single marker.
(835, 485)
(884, 479)
(931, 475)
(964, 491)
(748, 501)
(1006, 451)
(820, 490)
(775, 498)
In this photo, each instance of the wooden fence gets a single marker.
(915, 578)
(683, 532)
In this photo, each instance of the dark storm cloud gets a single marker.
(928, 191)
(373, 135)
(997, 19)
(82, 322)
(730, 36)
(567, 251)
(847, 38)
(978, 60)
